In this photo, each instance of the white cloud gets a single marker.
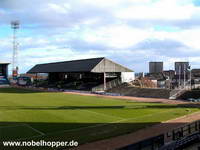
(62, 9)
(64, 30)
(118, 36)
(164, 9)
(189, 37)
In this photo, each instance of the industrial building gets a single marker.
(155, 67)
(85, 73)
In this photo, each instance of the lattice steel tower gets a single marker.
(15, 27)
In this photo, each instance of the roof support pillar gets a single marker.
(104, 82)
(36, 79)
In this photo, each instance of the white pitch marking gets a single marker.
(99, 125)
(34, 129)
(77, 129)
(142, 116)
(102, 114)
(29, 137)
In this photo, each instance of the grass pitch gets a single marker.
(27, 115)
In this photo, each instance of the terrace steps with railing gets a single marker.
(176, 93)
(128, 90)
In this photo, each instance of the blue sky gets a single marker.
(131, 32)
(196, 2)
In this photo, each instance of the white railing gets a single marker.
(174, 94)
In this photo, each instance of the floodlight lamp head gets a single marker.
(15, 24)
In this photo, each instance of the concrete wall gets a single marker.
(109, 66)
(127, 76)
(190, 94)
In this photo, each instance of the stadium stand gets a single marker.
(86, 74)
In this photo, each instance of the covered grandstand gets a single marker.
(85, 74)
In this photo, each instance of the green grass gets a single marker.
(28, 115)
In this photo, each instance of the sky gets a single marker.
(130, 32)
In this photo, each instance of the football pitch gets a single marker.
(31, 115)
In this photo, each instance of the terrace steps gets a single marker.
(141, 92)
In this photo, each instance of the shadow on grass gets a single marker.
(101, 107)
(18, 91)
(188, 105)
(59, 108)
(81, 132)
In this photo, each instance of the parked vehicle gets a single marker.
(23, 81)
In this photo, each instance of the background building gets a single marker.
(4, 69)
(195, 75)
(181, 67)
(169, 74)
(157, 78)
(4, 74)
(155, 67)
